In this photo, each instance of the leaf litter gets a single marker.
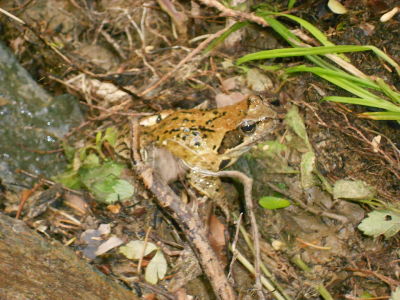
(322, 145)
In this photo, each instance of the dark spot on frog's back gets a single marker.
(205, 129)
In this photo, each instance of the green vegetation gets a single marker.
(365, 90)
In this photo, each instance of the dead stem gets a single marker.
(248, 186)
(192, 54)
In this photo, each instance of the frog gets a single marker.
(206, 141)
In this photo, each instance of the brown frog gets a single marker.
(209, 140)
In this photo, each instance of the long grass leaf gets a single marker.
(318, 34)
(288, 52)
(395, 96)
(315, 32)
(365, 102)
(382, 115)
(353, 88)
(341, 74)
(294, 41)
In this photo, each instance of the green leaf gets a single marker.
(355, 190)
(379, 222)
(307, 167)
(134, 249)
(69, 179)
(68, 151)
(270, 202)
(156, 269)
(104, 182)
(91, 161)
(121, 190)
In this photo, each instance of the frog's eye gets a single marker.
(159, 119)
(248, 127)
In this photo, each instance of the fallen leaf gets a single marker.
(228, 99)
(307, 167)
(106, 246)
(257, 81)
(156, 269)
(134, 249)
(356, 190)
(379, 222)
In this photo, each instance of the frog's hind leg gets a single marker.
(210, 186)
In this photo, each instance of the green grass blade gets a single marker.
(386, 58)
(281, 29)
(382, 115)
(294, 41)
(291, 3)
(315, 32)
(353, 88)
(288, 52)
(322, 71)
(365, 102)
(388, 91)
(346, 81)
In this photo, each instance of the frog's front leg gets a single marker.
(210, 186)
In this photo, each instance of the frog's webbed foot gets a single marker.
(210, 186)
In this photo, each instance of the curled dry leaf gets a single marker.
(111, 243)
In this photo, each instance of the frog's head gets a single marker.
(257, 124)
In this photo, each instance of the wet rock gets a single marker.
(31, 124)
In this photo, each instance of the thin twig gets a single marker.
(192, 54)
(248, 186)
(146, 239)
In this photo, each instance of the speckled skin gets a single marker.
(207, 140)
